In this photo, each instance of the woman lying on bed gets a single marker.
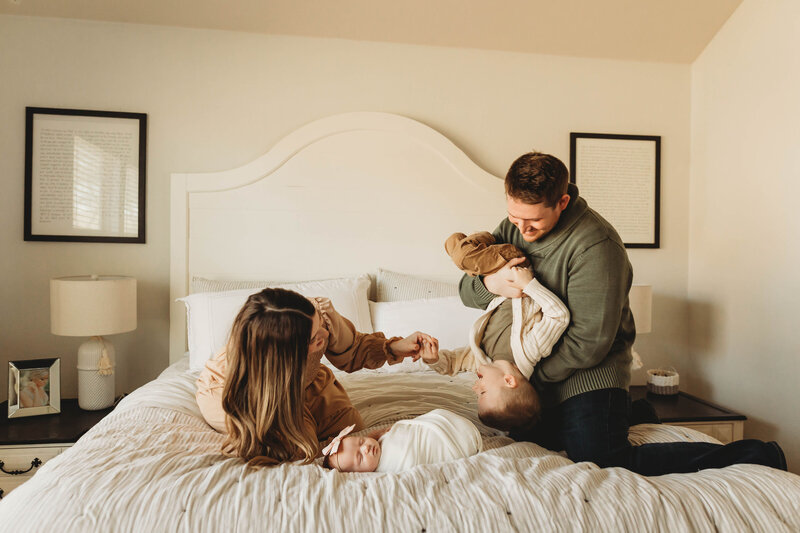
(268, 391)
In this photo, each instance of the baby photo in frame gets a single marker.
(34, 387)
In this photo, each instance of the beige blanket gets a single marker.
(154, 465)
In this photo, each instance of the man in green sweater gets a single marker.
(580, 257)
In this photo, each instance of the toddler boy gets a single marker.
(523, 330)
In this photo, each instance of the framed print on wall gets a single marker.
(84, 175)
(620, 178)
(34, 387)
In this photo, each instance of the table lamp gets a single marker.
(92, 306)
(640, 300)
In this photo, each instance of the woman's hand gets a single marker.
(412, 345)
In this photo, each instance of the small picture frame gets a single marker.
(34, 387)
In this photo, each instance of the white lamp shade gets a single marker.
(85, 306)
(641, 303)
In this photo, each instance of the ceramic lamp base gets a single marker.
(95, 390)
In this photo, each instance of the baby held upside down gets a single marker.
(434, 437)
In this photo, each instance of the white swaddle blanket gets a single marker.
(434, 437)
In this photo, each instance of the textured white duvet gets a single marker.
(153, 465)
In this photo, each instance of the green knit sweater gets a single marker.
(583, 262)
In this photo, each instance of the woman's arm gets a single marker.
(350, 350)
(329, 406)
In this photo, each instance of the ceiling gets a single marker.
(647, 30)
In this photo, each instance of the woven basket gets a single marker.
(663, 381)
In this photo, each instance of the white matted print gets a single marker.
(619, 176)
(84, 175)
(34, 387)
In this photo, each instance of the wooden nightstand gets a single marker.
(683, 409)
(27, 443)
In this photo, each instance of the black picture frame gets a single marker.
(113, 129)
(652, 186)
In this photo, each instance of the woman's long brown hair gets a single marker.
(264, 387)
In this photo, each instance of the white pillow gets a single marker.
(394, 286)
(210, 315)
(447, 319)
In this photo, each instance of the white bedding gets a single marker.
(154, 465)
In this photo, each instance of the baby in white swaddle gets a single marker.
(434, 437)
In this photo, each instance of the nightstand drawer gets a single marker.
(689, 411)
(20, 463)
(724, 431)
(19, 459)
(24, 440)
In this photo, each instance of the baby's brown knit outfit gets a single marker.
(478, 255)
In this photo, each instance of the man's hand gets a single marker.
(501, 282)
(412, 345)
(522, 276)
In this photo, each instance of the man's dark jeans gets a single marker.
(593, 426)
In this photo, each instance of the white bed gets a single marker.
(341, 197)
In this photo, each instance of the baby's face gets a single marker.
(357, 454)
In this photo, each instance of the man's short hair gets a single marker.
(520, 409)
(536, 177)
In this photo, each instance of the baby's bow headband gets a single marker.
(333, 447)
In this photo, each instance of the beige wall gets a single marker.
(216, 100)
(744, 255)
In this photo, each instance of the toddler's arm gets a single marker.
(450, 362)
(541, 335)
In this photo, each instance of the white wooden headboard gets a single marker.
(339, 197)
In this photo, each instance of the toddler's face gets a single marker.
(490, 383)
(357, 454)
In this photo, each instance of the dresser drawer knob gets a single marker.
(34, 464)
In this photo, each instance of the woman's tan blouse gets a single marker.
(327, 406)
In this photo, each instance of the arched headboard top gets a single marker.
(341, 196)
(307, 135)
